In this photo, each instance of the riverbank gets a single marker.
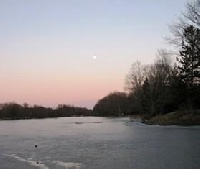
(185, 118)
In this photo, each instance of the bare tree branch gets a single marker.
(190, 17)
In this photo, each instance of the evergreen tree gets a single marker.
(190, 56)
(190, 65)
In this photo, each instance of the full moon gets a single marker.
(94, 57)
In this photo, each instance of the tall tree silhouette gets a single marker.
(190, 56)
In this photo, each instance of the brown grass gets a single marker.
(186, 117)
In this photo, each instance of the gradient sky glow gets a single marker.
(47, 46)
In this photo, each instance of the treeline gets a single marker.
(115, 104)
(163, 87)
(154, 89)
(17, 111)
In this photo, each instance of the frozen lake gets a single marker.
(97, 143)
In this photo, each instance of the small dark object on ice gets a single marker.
(36, 145)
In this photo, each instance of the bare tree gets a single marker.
(193, 13)
(136, 77)
(159, 80)
(190, 17)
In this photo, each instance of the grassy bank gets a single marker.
(186, 117)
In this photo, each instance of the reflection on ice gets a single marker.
(67, 165)
(29, 161)
(40, 165)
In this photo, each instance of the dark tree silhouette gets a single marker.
(190, 56)
(16, 111)
(114, 104)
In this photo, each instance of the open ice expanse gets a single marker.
(97, 143)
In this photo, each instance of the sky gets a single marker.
(47, 47)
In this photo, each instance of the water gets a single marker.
(97, 143)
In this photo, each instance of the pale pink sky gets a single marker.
(47, 47)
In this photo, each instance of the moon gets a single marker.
(94, 57)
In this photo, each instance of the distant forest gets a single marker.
(16, 111)
(162, 87)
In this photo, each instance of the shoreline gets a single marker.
(181, 118)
